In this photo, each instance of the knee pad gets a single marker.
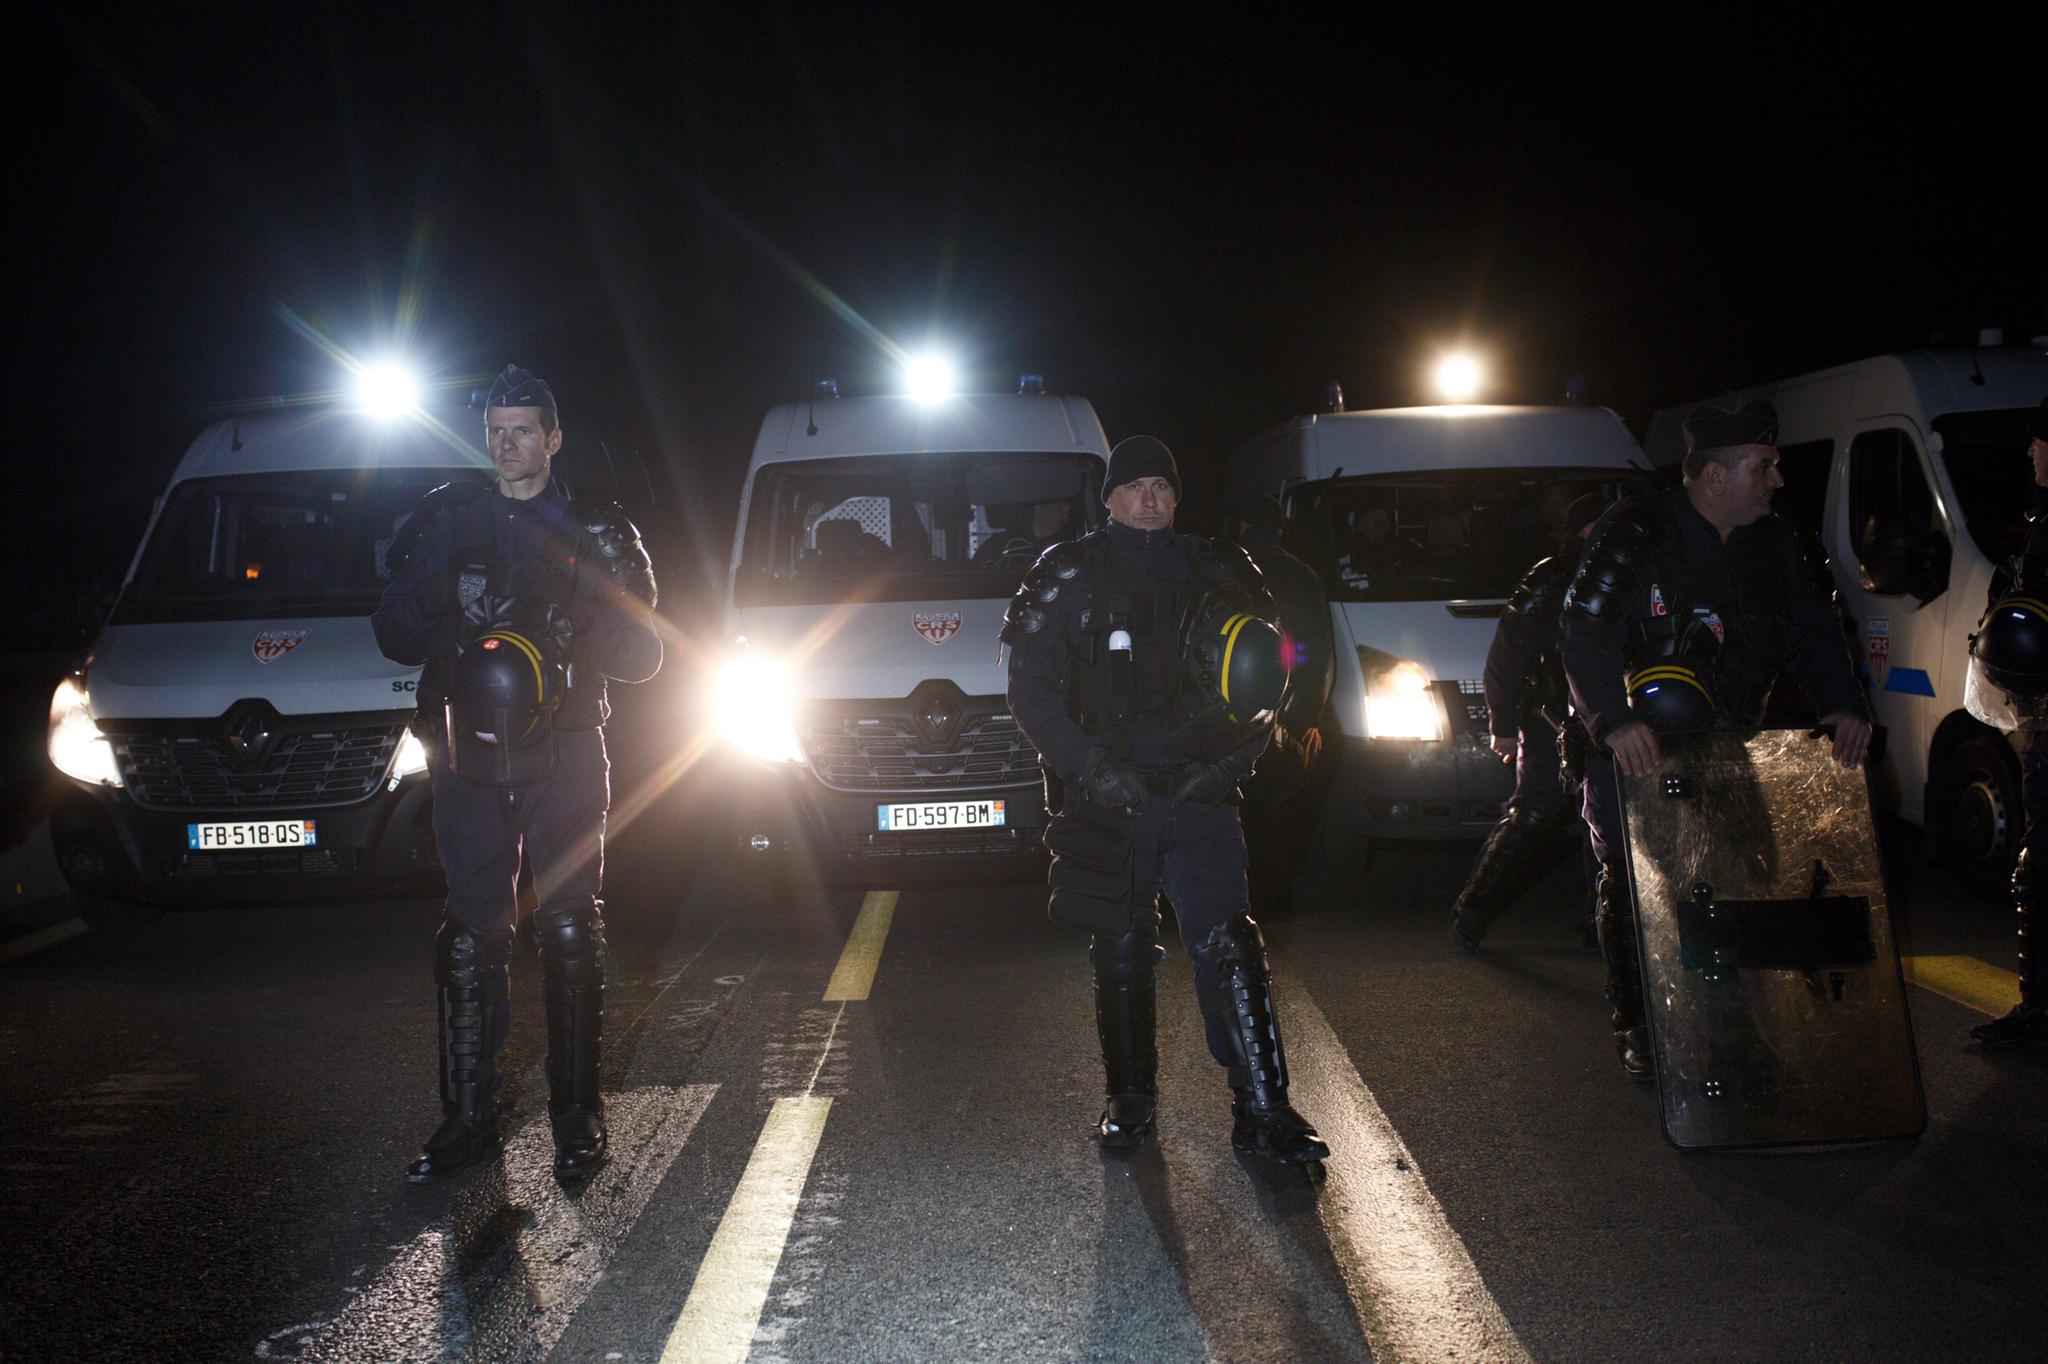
(1236, 939)
(464, 958)
(1125, 956)
(571, 942)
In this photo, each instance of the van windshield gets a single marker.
(1985, 454)
(909, 527)
(1440, 535)
(266, 545)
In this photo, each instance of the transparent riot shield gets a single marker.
(1776, 1008)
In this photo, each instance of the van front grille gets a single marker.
(898, 746)
(300, 770)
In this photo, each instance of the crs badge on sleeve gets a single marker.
(271, 645)
(936, 626)
(1877, 641)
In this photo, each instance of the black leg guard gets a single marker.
(572, 957)
(1266, 1124)
(2028, 1020)
(1126, 1020)
(1520, 849)
(473, 982)
(1616, 921)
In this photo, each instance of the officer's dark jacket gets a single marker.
(2027, 569)
(1525, 663)
(1655, 578)
(1305, 619)
(572, 569)
(1048, 629)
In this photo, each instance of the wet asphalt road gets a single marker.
(207, 1118)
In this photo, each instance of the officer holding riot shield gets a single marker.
(1146, 669)
(1526, 705)
(521, 600)
(2008, 688)
(1683, 609)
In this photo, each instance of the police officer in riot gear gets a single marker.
(1684, 607)
(2009, 665)
(1526, 705)
(1144, 668)
(521, 600)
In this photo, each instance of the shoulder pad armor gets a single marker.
(1541, 592)
(1222, 561)
(1614, 561)
(1054, 572)
(618, 543)
(405, 541)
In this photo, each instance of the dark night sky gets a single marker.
(1194, 224)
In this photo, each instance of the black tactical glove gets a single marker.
(1111, 782)
(1207, 783)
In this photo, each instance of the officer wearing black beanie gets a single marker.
(521, 566)
(1143, 768)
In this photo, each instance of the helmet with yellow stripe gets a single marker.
(1236, 656)
(2008, 683)
(1672, 695)
(502, 700)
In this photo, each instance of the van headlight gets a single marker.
(752, 709)
(77, 748)
(411, 756)
(1400, 703)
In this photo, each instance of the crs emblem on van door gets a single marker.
(936, 626)
(271, 645)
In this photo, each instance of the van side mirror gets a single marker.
(1900, 560)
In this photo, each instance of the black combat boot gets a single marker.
(1265, 1123)
(1125, 1019)
(2028, 1020)
(473, 983)
(1617, 926)
(1520, 850)
(572, 957)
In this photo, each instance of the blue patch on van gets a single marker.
(1908, 681)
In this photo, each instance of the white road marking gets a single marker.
(502, 1275)
(41, 938)
(1418, 1294)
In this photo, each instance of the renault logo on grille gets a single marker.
(250, 729)
(936, 708)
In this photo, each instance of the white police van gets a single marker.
(862, 703)
(1912, 470)
(235, 732)
(1421, 522)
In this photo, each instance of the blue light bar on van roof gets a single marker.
(1031, 385)
(825, 388)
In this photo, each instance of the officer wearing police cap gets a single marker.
(2007, 654)
(1146, 669)
(521, 600)
(1684, 607)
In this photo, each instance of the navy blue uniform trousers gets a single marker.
(1196, 854)
(480, 832)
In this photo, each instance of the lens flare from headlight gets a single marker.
(1458, 376)
(753, 710)
(385, 391)
(1399, 704)
(929, 377)
(77, 748)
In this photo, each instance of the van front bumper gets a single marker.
(783, 821)
(109, 846)
(1407, 788)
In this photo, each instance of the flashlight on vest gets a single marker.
(1120, 667)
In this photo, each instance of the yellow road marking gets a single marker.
(1976, 984)
(724, 1306)
(37, 941)
(855, 974)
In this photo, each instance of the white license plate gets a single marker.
(250, 836)
(940, 814)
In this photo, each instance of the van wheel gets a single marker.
(1984, 819)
